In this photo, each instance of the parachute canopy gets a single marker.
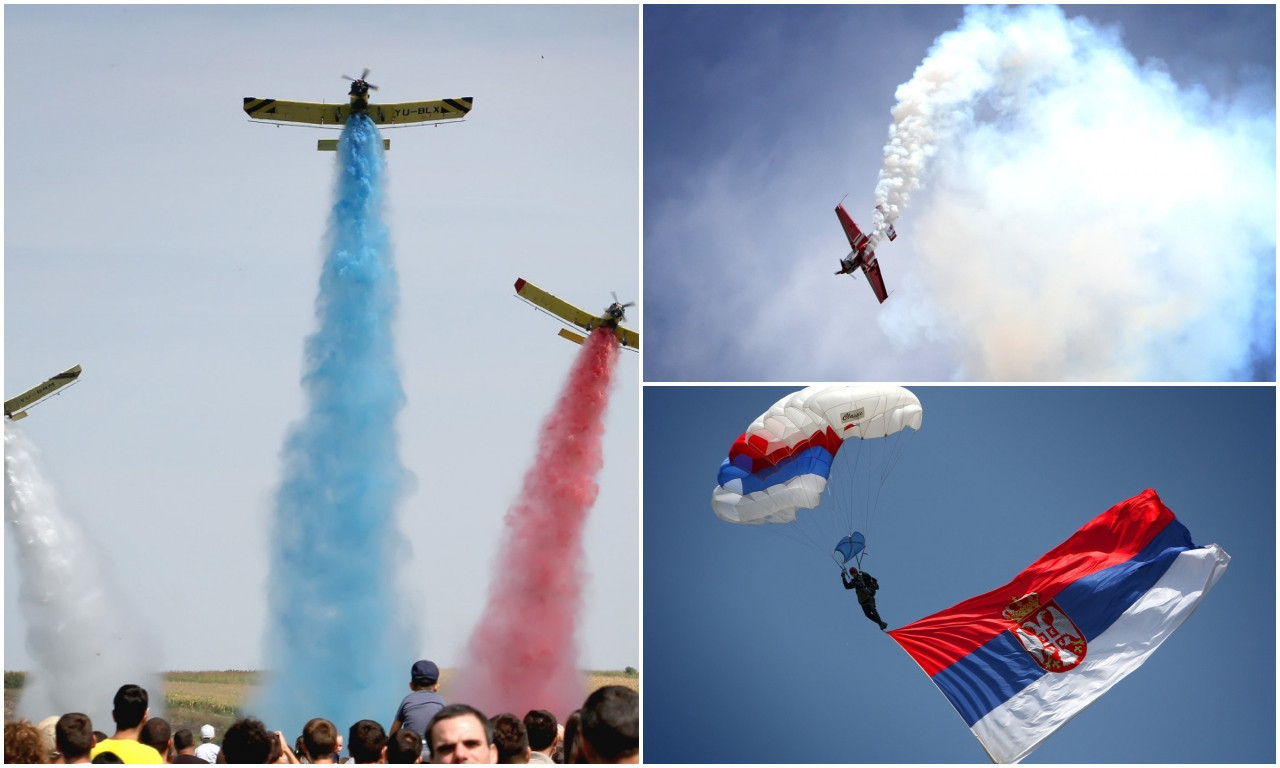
(781, 463)
(849, 547)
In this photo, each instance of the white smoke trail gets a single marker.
(992, 54)
(83, 643)
(1086, 216)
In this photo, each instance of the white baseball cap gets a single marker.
(206, 732)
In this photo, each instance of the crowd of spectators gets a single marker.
(425, 729)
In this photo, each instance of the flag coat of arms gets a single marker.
(1021, 660)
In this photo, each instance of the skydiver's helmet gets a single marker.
(853, 571)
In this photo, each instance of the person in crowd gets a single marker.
(247, 741)
(23, 743)
(611, 725)
(423, 701)
(320, 741)
(460, 733)
(73, 737)
(156, 733)
(281, 752)
(405, 747)
(543, 735)
(572, 739)
(207, 751)
(107, 758)
(510, 738)
(184, 747)
(367, 742)
(130, 713)
(48, 739)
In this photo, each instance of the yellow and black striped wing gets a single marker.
(556, 306)
(296, 111)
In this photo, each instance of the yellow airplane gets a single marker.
(563, 310)
(17, 407)
(335, 115)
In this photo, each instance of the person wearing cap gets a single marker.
(866, 586)
(207, 751)
(422, 703)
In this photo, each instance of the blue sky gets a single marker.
(173, 248)
(1040, 248)
(754, 652)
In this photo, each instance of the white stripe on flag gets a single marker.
(1011, 731)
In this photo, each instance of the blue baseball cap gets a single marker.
(425, 672)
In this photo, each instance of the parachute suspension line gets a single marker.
(855, 488)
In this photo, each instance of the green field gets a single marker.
(216, 697)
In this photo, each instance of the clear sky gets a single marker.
(172, 248)
(1113, 222)
(754, 652)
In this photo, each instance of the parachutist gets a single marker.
(866, 586)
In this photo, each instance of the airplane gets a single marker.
(613, 316)
(17, 407)
(335, 115)
(862, 254)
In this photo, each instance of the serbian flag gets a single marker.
(1020, 661)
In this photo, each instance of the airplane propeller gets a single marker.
(361, 79)
(618, 309)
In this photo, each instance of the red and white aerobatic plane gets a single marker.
(862, 255)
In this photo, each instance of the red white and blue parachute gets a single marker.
(782, 462)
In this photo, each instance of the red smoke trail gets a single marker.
(523, 653)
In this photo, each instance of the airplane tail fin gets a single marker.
(331, 145)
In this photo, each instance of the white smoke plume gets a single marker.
(82, 641)
(1084, 216)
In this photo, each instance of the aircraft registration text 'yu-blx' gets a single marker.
(613, 315)
(16, 408)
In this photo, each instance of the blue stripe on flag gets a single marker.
(1001, 667)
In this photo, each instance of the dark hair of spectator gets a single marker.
(182, 739)
(611, 722)
(107, 757)
(365, 741)
(130, 706)
(573, 739)
(541, 727)
(73, 736)
(319, 738)
(510, 737)
(247, 741)
(155, 734)
(404, 747)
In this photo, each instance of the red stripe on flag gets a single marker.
(940, 640)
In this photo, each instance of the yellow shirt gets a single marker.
(128, 750)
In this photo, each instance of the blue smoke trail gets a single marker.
(337, 644)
